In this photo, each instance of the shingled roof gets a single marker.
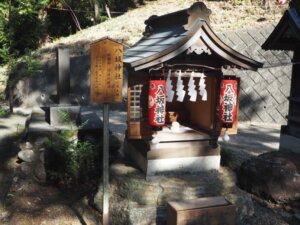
(166, 37)
(286, 35)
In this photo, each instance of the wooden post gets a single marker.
(106, 87)
(105, 164)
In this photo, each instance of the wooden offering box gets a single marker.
(182, 49)
(201, 211)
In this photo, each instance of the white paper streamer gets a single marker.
(169, 87)
(192, 88)
(180, 88)
(202, 86)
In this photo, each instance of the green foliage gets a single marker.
(73, 155)
(3, 112)
(20, 27)
(30, 64)
(228, 159)
(24, 24)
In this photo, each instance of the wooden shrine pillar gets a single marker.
(290, 134)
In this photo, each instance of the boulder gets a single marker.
(273, 176)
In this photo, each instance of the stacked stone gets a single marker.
(134, 200)
(32, 160)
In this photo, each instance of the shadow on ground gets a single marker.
(253, 140)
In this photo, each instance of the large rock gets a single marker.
(273, 176)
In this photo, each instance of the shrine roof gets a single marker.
(286, 35)
(165, 37)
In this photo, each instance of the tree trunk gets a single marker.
(97, 14)
(11, 99)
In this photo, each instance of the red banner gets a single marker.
(228, 101)
(157, 102)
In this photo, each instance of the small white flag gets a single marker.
(169, 87)
(202, 86)
(192, 88)
(180, 88)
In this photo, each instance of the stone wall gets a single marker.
(263, 93)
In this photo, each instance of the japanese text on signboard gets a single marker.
(106, 71)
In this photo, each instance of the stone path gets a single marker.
(253, 140)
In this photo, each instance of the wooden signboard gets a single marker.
(106, 71)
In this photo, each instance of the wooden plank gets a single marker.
(198, 203)
(221, 215)
(138, 130)
(178, 145)
(106, 72)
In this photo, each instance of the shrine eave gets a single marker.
(166, 43)
(286, 35)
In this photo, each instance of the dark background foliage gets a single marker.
(26, 24)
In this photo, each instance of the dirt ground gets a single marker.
(23, 201)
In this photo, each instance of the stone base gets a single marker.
(207, 158)
(288, 142)
(56, 118)
(136, 201)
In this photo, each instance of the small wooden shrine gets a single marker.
(182, 49)
(286, 36)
